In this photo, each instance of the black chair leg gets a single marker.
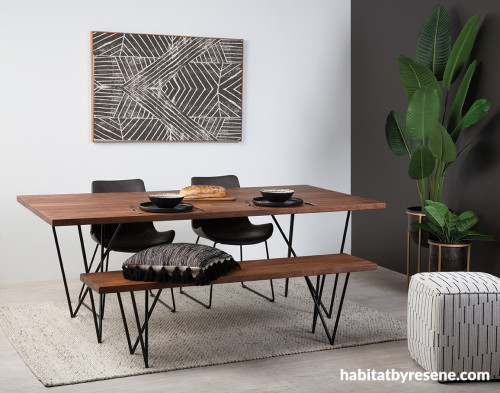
(271, 299)
(208, 306)
(171, 308)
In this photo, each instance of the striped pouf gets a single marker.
(454, 322)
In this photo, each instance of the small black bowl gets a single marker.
(166, 200)
(277, 194)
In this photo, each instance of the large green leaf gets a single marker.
(456, 108)
(421, 163)
(477, 235)
(423, 111)
(434, 216)
(441, 144)
(467, 223)
(460, 52)
(434, 41)
(395, 132)
(429, 227)
(476, 112)
(415, 75)
(447, 165)
(441, 208)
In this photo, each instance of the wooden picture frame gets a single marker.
(165, 88)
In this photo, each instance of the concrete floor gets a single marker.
(383, 290)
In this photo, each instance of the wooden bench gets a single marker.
(265, 269)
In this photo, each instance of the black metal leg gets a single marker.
(138, 322)
(329, 312)
(208, 306)
(315, 312)
(101, 305)
(146, 328)
(81, 297)
(171, 308)
(290, 237)
(197, 240)
(314, 295)
(89, 268)
(290, 248)
(125, 325)
(155, 301)
(94, 315)
(62, 272)
(104, 296)
(271, 299)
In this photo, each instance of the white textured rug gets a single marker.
(240, 326)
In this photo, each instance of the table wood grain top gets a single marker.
(112, 208)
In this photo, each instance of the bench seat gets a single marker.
(318, 265)
(262, 269)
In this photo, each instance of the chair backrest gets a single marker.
(227, 181)
(132, 185)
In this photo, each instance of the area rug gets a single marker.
(240, 326)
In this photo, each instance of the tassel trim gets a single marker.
(204, 276)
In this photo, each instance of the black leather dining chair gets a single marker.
(132, 237)
(238, 231)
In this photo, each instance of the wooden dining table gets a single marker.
(115, 208)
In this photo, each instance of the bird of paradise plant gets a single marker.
(427, 133)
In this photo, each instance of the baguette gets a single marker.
(203, 191)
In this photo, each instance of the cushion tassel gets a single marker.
(187, 276)
(150, 275)
(138, 274)
(176, 276)
(162, 275)
(200, 278)
(126, 272)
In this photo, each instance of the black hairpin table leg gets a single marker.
(290, 238)
(329, 312)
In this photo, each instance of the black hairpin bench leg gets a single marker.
(143, 335)
(319, 312)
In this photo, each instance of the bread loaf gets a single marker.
(203, 191)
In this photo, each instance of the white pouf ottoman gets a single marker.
(454, 322)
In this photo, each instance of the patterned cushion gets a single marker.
(454, 321)
(179, 263)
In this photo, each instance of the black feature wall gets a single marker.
(382, 30)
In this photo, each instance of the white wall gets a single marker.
(296, 115)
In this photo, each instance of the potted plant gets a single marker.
(429, 131)
(450, 236)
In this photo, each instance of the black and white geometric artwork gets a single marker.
(166, 88)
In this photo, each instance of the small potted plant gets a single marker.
(450, 236)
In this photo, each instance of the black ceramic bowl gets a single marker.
(277, 194)
(166, 200)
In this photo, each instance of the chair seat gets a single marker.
(233, 231)
(130, 240)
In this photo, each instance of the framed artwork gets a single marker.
(166, 88)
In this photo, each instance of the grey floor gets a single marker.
(383, 290)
